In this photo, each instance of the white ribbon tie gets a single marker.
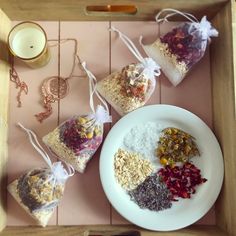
(59, 172)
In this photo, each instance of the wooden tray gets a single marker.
(112, 56)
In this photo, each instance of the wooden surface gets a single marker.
(233, 10)
(104, 230)
(224, 116)
(121, 56)
(22, 156)
(194, 93)
(5, 25)
(84, 201)
(223, 121)
(75, 10)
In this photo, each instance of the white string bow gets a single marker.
(204, 25)
(151, 68)
(60, 174)
(101, 114)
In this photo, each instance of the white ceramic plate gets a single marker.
(186, 211)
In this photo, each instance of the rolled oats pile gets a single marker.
(131, 169)
(119, 94)
(130, 88)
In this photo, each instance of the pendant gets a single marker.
(53, 89)
(55, 86)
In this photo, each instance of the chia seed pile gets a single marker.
(148, 187)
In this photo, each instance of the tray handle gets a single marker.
(111, 10)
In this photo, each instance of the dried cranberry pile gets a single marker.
(185, 45)
(181, 181)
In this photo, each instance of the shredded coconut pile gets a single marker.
(143, 139)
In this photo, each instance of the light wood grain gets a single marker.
(75, 10)
(84, 201)
(120, 57)
(223, 116)
(5, 25)
(21, 155)
(105, 230)
(193, 94)
(233, 9)
(223, 93)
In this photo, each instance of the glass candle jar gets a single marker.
(28, 41)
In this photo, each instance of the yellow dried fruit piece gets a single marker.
(82, 120)
(90, 135)
(163, 161)
(187, 149)
(176, 145)
(97, 131)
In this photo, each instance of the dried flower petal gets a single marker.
(181, 181)
(152, 194)
(134, 83)
(37, 190)
(176, 145)
(186, 45)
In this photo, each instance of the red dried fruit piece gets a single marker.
(182, 181)
(185, 45)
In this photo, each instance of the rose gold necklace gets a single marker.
(21, 85)
(53, 88)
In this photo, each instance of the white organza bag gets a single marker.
(77, 139)
(181, 48)
(40, 190)
(130, 88)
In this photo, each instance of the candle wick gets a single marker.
(31, 46)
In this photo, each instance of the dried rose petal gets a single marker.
(182, 181)
(185, 45)
(80, 133)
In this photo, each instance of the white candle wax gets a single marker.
(28, 42)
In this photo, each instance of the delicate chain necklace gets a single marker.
(53, 88)
(21, 85)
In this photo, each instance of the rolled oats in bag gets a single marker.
(77, 139)
(40, 190)
(130, 88)
(182, 47)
